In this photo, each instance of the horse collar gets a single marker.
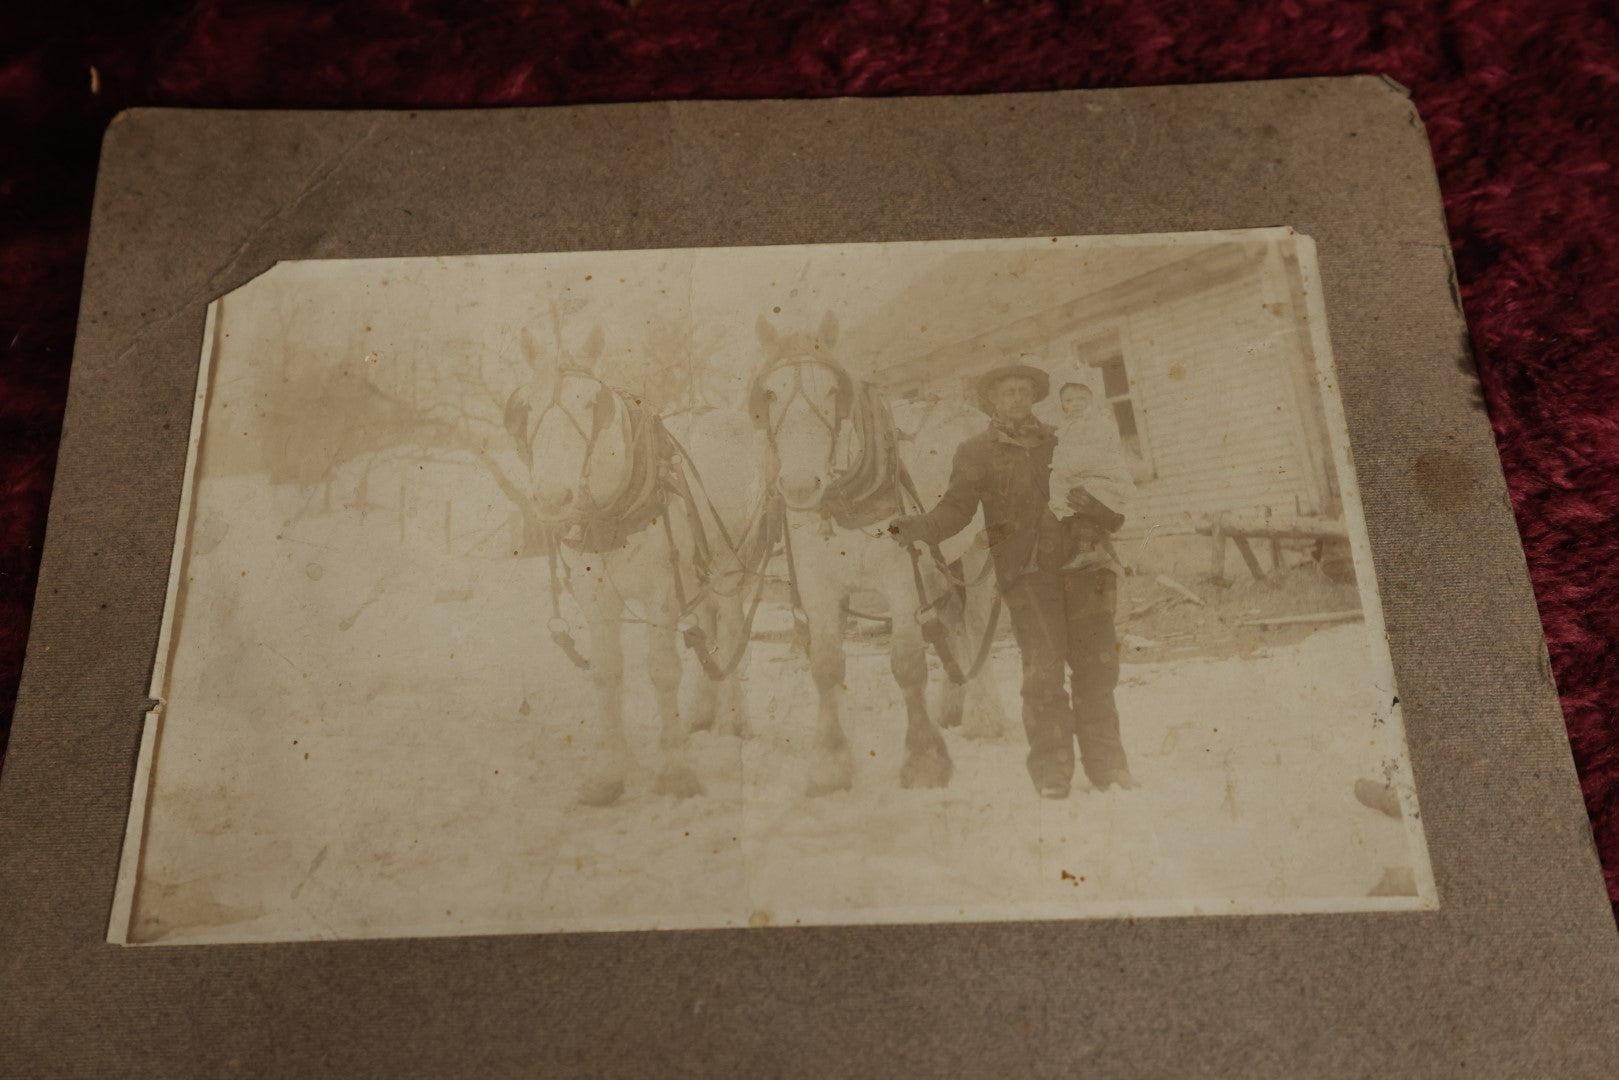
(643, 497)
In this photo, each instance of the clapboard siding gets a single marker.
(1210, 380)
(1258, 441)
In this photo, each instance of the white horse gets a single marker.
(608, 481)
(836, 469)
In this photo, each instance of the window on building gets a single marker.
(1116, 387)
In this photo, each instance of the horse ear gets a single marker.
(766, 332)
(516, 420)
(595, 345)
(828, 333)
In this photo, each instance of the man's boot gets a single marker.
(1101, 753)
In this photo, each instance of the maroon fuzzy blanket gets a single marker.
(1521, 101)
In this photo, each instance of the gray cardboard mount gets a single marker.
(1517, 974)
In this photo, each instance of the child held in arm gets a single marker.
(1090, 485)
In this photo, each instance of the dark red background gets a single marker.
(1520, 101)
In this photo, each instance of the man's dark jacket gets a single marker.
(1010, 480)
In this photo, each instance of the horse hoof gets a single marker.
(832, 773)
(601, 792)
(734, 724)
(819, 787)
(926, 771)
(679, 781)
(950, 713)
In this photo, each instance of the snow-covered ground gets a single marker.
(360, 749)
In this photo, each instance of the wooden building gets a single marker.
(1205, 360)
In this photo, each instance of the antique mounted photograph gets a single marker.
(925, 582)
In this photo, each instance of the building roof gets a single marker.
(937, 327)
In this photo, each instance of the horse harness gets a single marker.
(868, 490)
(655, 479)
(874, 487)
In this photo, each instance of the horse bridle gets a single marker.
(588, 503)
(840, 406)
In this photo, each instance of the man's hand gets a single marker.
(907, 530)
(1090, 508)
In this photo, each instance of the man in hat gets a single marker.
(1062, 618)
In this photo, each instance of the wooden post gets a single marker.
(1246, 550)
(1321, 617)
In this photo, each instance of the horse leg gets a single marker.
(676, 776)
(952, 695)
(927, 759)
(985, 716)
(706, 698)
(604, 779)
(832, 764)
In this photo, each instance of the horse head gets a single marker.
(801, 399)
(573, 432)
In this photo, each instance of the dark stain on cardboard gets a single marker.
(1445, 481)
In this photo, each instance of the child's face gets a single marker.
(1075, 399)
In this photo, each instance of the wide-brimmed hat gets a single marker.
(1041, 381)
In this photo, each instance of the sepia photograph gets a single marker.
(875, 583)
